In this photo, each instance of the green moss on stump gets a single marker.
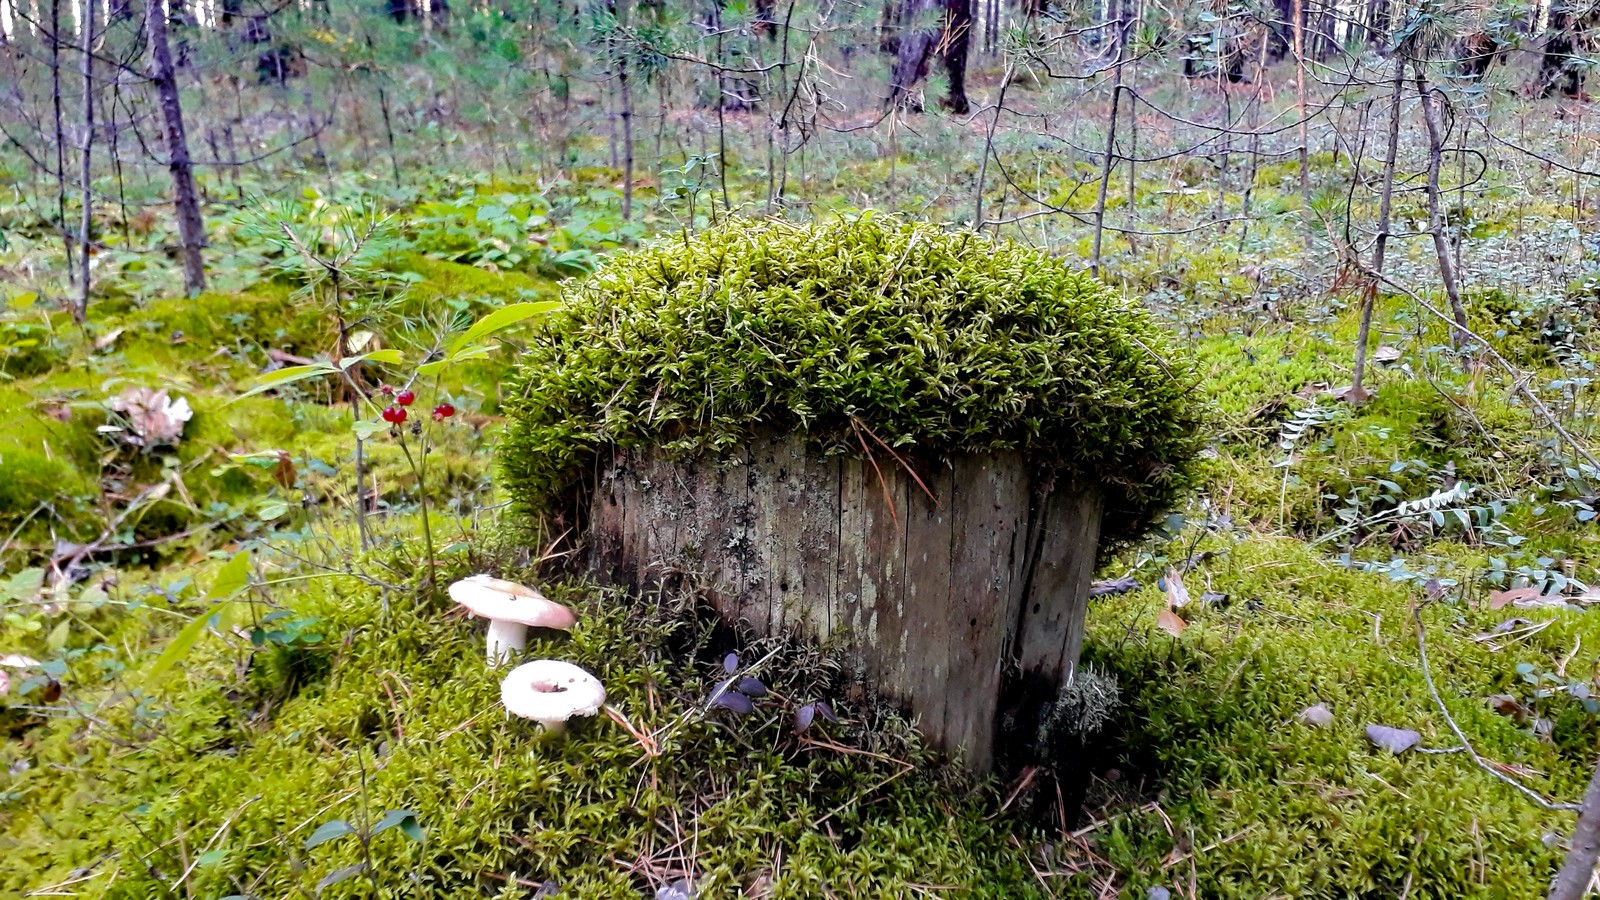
(937, 341)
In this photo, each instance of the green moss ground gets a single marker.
(400, 688)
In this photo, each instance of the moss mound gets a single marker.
(930, 340)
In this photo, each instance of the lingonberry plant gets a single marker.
(386, 405)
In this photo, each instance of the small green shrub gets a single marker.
(928, 339)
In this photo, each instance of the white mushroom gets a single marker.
(510, 609)
(550, 692)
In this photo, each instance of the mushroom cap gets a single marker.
(507, 601)
(549, 690)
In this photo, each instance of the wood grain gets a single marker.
(932, 601)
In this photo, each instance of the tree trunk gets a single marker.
(1572, 882)
(86, 169)
(969, 611)
(1286, 20)
(957, 44)
(1369, 295)
(914, 48)
(1304, 152)
(1378, 20)
(1560, 69)
(1109, 160)
(625, 91)
(60, 135)
(191, 227)
(627, 142)
(1441, 244)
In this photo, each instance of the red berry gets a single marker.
(394, 415)
(386, 390)
(405, 398)
(443, 411)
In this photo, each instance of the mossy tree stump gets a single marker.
(735, 406)
(936, 603)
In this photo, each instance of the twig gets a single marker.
(1537, 798)
(1209, 847)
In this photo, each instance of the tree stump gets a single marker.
(958, 609)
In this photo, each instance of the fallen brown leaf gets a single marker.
(1171, 623)
(1502, 599)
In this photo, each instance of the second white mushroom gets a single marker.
(550, 692)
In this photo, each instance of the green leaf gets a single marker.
(233, 577)
(366, 428)
(502, 318)
(389, 356)
(405, 819)
(23, 585)
(211, 857)
(285, 376)
(59, 634)
(338, 875)
(329, 831)
(180, 645)
(429, 369)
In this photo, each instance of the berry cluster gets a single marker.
(395, 413)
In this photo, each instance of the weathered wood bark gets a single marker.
(960, 611)
(185, 200)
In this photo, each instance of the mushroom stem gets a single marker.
(506, 637)
(554, 726)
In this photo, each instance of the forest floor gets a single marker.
(225, 668)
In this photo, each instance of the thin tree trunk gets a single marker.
(61, 137)
(87, 169)
(1441, 244)
(627, 141)
(1300, 102)
(1107, 163)
(388, 133)
(988, 148)
(1572, 882)
(722, 125)
(191, 227)
(1255, 142)
(1131, 76)
(1369, 295)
